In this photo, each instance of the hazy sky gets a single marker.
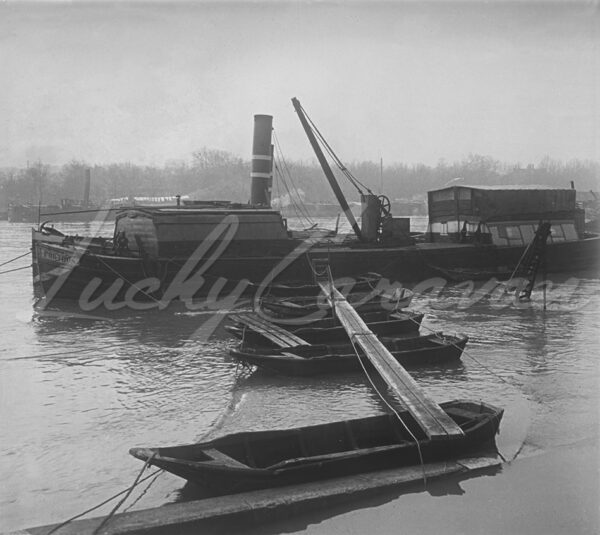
(412, 82)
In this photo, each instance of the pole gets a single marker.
(326, 169)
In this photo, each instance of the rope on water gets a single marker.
(157, 474)
(382, 397)
(127, 494)
(466, 353)
(73, 518)
(15, 269)
(15, 258)
(60, 353)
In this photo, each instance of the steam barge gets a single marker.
(209, 248)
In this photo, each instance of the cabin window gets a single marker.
(452, 226)
(444, 229)
(443, 195)
(464, 194)
(556, 233)
(570, 232)
(511, 234)
(496, 238)
(528, 232)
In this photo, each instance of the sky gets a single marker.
(410, 82)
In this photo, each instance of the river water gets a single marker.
(77, 391)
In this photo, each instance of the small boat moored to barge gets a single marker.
(264, 459)
(409, 351)
(253, 328)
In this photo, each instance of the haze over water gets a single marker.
(76, 393)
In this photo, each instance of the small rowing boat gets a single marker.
(410, 351)
(252, 328)
(264, 459)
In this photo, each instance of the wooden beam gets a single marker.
(429, 415)
(278, 335)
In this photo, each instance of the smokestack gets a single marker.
(572, 184)
(86, 187)
(262, 161)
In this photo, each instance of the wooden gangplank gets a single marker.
(276, 334)
(429, 415)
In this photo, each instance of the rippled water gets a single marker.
(77, 393)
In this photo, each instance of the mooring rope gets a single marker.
(15, 258)
(73, 518)
(120, 275)
(15, 269)
(381, 396)
(127, 494)
(60, 353)
(465, 352)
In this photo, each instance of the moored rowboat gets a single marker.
(262, 459)
(312, 360)
(382, 323)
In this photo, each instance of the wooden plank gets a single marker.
(429, 415)
(253, 509)
(276, 334)
(221, 457)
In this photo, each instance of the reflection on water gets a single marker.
(76, 393)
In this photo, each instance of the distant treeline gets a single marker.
(219, 175)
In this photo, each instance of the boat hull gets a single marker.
(265, 459)
(305, 361)
(64, 270)
(328, 330)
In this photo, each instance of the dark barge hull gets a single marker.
(67, 271)
(265, 459)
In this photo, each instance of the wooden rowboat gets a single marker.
(263, 459)
(316, 359)
(382, 323)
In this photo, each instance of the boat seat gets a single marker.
(279, 336)
(223, 458)
(463, 413)
(332, 456)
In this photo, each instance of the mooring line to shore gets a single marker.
(382, 397)
(15, 269)
(465, 352)
(155, 474)
(15, 258)
(60, 353)
(127, 494)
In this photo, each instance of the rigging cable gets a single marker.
(353, 180)
(290, 176)
(284, 170)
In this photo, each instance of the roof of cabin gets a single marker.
(505, 187)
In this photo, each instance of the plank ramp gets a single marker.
(276, 334)
(436, 424)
